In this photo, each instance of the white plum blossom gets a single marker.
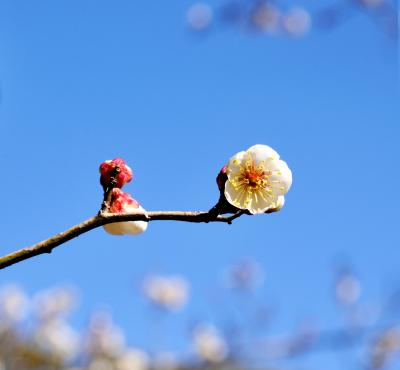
(14, 303)
(165, 360)
(296, 22)
(104, 337)
(54, 303)
(245, 275)
(133, 359)
(257, 180)
(209, 344)
(266, 17)
(101, 364)
(199, 16)
(386, 346)
(169, 292)
(57, 337)
(348, 288)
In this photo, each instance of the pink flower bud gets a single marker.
(124, 203)
(221, 179)
(121, 201)
(115, 173)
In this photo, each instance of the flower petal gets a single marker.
(127, 227)
(235, 163)
(281, 178)
(255, 202)
(235, 196)
(134, 227)
(261, 201)
(280, 202)
(115, 228)
(260, 153)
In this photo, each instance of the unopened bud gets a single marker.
(221, 179)
(124, 203)
(115, 173)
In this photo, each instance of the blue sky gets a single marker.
(85, 81)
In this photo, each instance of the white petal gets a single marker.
(115, 228)
(260, 153)
(273, 164)
(281, 179)
(261, 202)
(235, 163)
(257, 202)
(234, 196)
(280, 202)
(127, 227)
(135, 227)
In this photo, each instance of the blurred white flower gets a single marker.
(133, 359)
(57, 337)
(165, 361)
(14, 303)
(104, 337)
(245, 274)
(296, 22)
(199, 16)
(101, 364)
(55, 303)
(348, 288)
(209, 344)
(170, 292)
(385, 347)
(256, 179)
(265, 17)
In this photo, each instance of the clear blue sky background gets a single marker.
(83, 81)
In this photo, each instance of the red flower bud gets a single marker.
(124, 203)
(115, 173)
(121, 201)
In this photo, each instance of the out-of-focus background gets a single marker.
(176, 88)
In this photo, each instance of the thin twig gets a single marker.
(46, 246)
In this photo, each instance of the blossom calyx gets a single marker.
(115, 173)
(256, 179)
(122, 202)
(221, 179)
(222, 206)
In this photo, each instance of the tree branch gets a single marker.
(46, 246)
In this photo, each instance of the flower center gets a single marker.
(252, 177)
